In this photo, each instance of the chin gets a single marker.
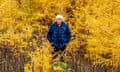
(59, 22)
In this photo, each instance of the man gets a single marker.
(59, 34)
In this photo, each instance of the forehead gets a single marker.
(59, 19)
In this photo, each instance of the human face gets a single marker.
(59, 21)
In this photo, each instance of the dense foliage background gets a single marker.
(95, 29)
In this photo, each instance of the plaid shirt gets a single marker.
(59, 35)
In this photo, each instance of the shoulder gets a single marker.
(65, 24)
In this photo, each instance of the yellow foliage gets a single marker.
(95, 23)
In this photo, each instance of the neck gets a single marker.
(59, 24)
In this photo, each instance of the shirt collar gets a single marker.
(60, 25)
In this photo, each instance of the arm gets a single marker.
(49, 34)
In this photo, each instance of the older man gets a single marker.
(59, 34)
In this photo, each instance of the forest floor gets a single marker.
(71, 64)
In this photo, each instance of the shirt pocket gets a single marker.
(63, 30)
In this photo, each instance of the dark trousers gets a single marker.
(57, 51)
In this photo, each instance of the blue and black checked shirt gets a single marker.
(59, 35)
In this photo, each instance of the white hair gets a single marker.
(59, 17)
